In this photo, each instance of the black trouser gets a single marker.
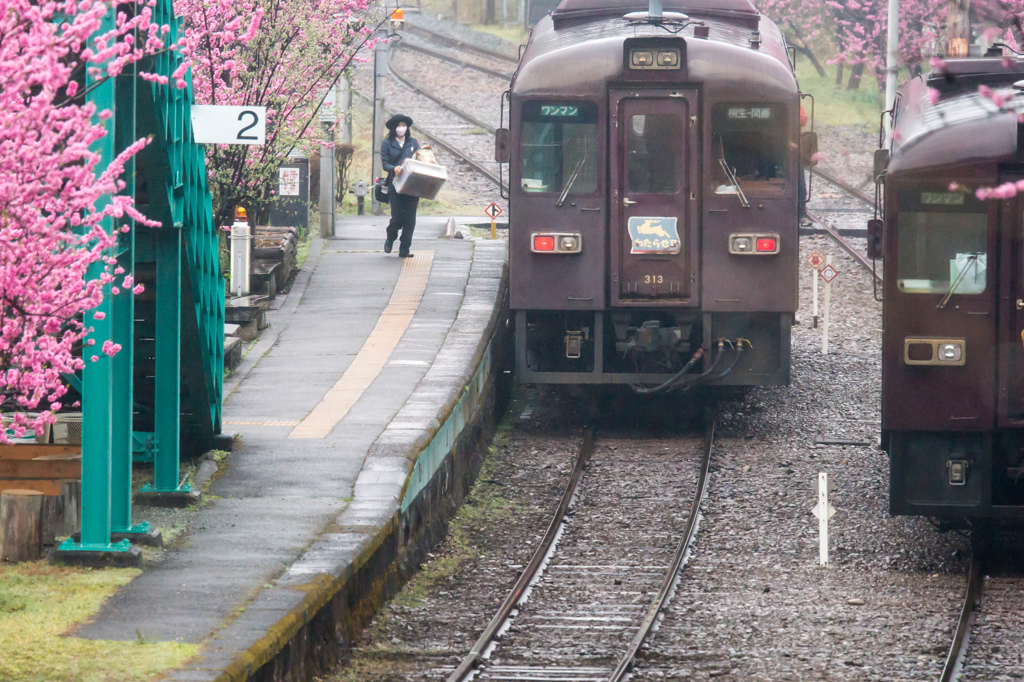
(403, 217)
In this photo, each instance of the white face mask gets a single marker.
(400, 130)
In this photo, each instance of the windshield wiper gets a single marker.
(735, 183)
(572, 177)
(972, 259)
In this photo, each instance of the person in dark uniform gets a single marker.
(396, 148)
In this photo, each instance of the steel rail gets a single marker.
(625, 666)
(472, 659)
(962, 636)
(457, 44)
(440, 142)
(454, 60)
(849, 189)
(846, 246)
(437, 100)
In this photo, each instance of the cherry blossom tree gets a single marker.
(56, 195)
(854, 32)
(298, 53)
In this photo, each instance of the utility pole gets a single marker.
(958, 28)
(380, 72)
(892, 60)
(344, 104)
(326, 175)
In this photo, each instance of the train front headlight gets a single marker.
(923, 350)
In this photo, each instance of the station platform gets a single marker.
(354, 411)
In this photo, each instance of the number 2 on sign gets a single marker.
(254, 118)
(653, 279)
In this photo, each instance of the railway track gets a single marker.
(437, 54)
(962, 634)
(844, 243)
(590, 611)
(457, 44)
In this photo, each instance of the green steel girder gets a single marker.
(170, 368)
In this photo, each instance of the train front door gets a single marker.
(1011, 312)
(654, 198)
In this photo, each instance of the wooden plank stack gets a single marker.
(40, 494)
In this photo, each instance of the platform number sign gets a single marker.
(217, 124)
(828, 273)
(492, 211)
(815, 260)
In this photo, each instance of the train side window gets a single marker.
(753, 140)
(655, 153)
(558, 142)
(941, 241)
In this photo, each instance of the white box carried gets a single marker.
(420, 179)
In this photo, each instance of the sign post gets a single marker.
(493, 211)
(827, 273)
(815, 261)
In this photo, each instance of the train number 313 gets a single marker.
(653, 279)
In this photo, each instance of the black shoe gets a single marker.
(405, 255)
(387, 245)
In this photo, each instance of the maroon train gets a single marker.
(953, 338)
(654, 194)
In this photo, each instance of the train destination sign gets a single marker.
(747, 113)
(555, 110)
(653, 235)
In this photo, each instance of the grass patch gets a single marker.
(835, 105)
(39, 603)
(302, 251)
(515, 34)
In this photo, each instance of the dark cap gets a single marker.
(396, 119)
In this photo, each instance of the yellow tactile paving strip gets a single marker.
(268, 422)
(374, 354)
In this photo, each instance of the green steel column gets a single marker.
(97, 374)
(168, 360)
(124, 335)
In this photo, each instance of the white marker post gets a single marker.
(815, 287)
(824, 512)
(826, 274)
(823, 508)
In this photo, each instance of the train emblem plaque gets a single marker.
(653, 235)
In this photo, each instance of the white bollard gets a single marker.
(240, 237)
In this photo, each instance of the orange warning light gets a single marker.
(398, 15)
(240, 213)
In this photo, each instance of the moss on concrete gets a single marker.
(40, 604)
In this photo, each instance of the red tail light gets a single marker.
(766, 245)
(543, 243)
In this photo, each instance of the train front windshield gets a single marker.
(559, 147)
(749, 146)
(941, 240)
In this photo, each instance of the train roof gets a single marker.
(739, 11)
(957, 129)
(958, 76)
(585, 55)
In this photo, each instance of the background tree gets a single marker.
(54, 195)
